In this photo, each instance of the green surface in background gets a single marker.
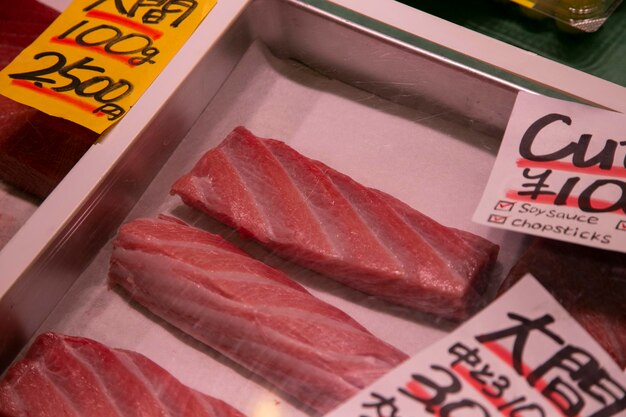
(602, 53)
(440, 50)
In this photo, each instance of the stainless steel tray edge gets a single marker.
(136, 154)
(358, 55)
(291, 28)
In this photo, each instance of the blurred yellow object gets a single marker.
(569, 9)
(526, 3)
(571, 15)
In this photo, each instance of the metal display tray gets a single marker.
(393, 115)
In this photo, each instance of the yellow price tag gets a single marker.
(97, 58)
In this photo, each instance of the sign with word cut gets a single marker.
(97, 58)
(523, 356)
(560, 173)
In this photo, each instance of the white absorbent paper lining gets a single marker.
(436, 165)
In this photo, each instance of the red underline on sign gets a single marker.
(124, 21)
(571, 201)
(568, 167)
(416, 389)
(506, 357)
(465, 374)
(71, 42)
(50, 93)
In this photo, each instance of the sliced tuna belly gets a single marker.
(75, 376)
(251, 313)
(322, 219)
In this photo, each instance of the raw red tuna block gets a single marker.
(36, 150)
(589, 283)
(78, 377)
(313, 215)
(248, 311)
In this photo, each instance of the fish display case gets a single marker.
(390, 106)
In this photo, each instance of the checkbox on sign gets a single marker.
(621, 225)
(504, 205)
(495, 218)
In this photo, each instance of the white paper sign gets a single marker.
(560, 173)
(523, 356)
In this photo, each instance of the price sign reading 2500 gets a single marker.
(99, 56)
(81, 80)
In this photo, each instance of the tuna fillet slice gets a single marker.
(74, 376)
(589, 283)
(313, 215)
(248, 311)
